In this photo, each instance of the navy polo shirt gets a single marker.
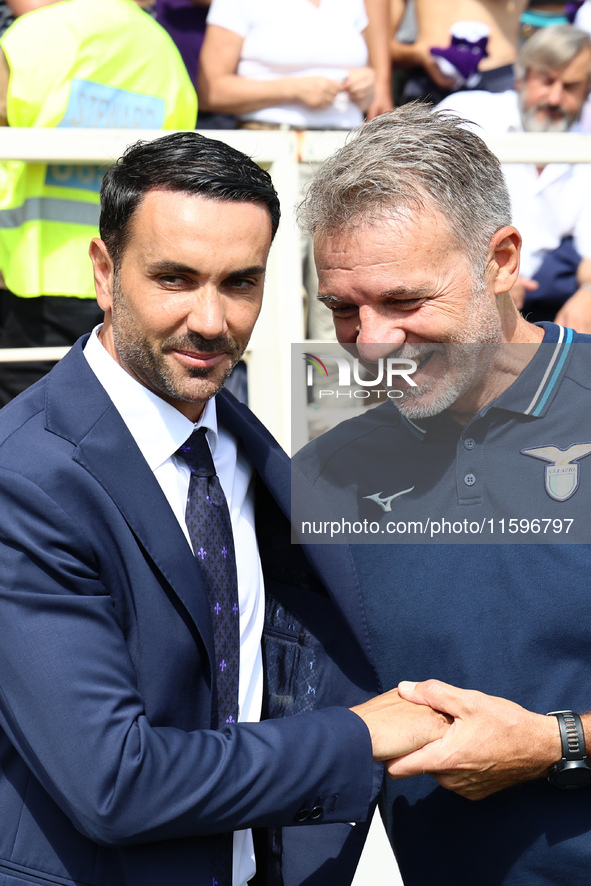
(508, 619)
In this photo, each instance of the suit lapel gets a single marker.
(106, 449)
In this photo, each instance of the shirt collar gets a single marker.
(155, 425)
(535, 388)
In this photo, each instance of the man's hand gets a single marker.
(576, 311)
(398, 727)
(491, 744)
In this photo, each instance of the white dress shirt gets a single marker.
(546, 206)
(159, 430)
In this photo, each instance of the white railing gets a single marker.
(282, 318)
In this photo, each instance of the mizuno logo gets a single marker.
(386, 503)
(561, 476)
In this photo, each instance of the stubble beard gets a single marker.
(150, 366)
(467, 357)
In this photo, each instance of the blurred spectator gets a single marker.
(10, 9)
(185, 22)
(478, 38)
(377, 36)
(547, 14)
(583, 17)
(301, 63)
(68, 66)
(6, 16)
(551, 204)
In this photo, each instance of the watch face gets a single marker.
(570, 774)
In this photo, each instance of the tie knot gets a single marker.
(197, 454)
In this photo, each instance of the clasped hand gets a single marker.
(490, 744)
(471, 743)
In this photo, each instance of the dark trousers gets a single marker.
(44, 321)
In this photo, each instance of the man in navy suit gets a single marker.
(112, 770)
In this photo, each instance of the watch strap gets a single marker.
(572, 735)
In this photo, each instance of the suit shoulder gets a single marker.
(22, 411)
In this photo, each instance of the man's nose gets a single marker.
(207, 314)
(555, 93)
(377, 331)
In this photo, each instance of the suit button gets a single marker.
(316, 813)
(302, 815)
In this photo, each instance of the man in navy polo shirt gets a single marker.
(416, 257)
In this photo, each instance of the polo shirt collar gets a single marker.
(534, 390)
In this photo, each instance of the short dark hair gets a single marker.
(185, 162)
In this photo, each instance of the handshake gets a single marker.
(471, 743)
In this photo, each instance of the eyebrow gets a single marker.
(254, 271)
(400, 292)
(170, 267)
(407, 292)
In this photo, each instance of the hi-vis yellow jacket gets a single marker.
(78, 63)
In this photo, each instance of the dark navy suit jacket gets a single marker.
(109, 771)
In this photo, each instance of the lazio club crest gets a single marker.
(561, 475)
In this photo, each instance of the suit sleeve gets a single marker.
(70, 704)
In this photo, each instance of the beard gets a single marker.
(531, 122)
(450, 369)
(148, 361)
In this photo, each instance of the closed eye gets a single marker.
(337, 307)
(405, 304)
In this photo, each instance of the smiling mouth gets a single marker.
(201, 360)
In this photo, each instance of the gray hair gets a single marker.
(551, 49)
(410, 160)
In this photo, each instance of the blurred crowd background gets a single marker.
(505, 66)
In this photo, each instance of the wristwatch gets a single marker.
(573, 770)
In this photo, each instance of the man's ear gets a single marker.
(103, 273)
(504, 251)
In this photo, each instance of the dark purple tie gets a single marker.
(210, 531)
